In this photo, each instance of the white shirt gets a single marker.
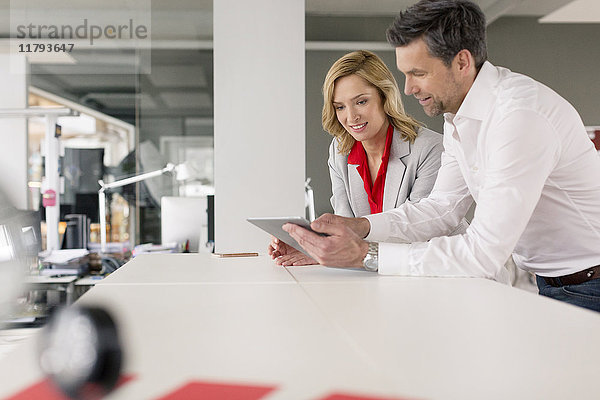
(522, 153)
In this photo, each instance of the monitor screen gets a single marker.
(184, 218)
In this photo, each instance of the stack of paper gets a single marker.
(148, 248)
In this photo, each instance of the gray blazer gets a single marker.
(411, 173)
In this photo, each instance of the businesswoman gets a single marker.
(379, 156)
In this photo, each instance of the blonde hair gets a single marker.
(370, 67)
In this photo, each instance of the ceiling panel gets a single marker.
(578, 11)
(118, 100)
(99, 81)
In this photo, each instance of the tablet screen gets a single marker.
(273, 226)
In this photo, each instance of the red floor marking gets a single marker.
(218, 391)
(46, 390)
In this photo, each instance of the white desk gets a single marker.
(196, 268)
(59, 284)
(313, 331)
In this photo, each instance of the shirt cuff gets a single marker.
(380, 228)
(393, 259)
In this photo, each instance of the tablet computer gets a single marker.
(273, 226)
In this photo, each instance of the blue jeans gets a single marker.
(586, 295)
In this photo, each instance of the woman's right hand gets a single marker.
(286, 255)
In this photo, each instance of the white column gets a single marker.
(258, 117)
(13, 131)
(52, 182)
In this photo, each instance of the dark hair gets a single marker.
(446, 26)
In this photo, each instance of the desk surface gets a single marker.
(313, 331)
(196, 268)
(41, 279)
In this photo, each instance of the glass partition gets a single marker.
(140, 76)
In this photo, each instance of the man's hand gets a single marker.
(343, 247)
(360, 226)
(286, 255)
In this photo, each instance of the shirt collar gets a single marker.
(481, 97)
(356, 154)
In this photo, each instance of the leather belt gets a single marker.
(574, 279)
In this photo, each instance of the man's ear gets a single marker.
(464, 62)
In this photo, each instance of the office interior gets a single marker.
(170, 109)
(192, 98)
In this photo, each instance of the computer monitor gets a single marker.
(185, 218)
(82, 168)
(20, 242)
(21, 233)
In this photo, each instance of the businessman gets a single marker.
(512, 145)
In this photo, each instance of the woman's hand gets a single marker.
(286, 255)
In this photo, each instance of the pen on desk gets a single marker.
(223, 255)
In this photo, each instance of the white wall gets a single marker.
(13, 131)
(258, 117)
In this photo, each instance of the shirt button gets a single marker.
(475, 169)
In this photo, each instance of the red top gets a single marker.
(358, 156)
